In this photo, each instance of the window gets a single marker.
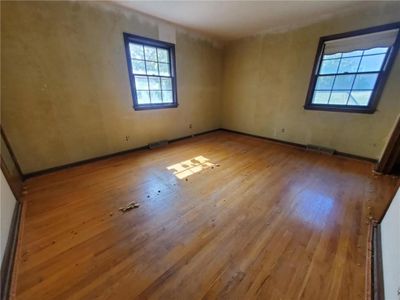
(152, 75)
(351, 68)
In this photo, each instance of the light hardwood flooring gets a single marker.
(221, 216)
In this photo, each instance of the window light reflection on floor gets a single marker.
(189, 167)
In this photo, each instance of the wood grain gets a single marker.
(261, 221)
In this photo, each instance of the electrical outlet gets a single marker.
(190, 126)
(127, 138)
(283, 130)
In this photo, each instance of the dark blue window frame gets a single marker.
(134, 39)
(380, 82)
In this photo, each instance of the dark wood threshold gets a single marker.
(343, 154)
(378, 292)
(82, 162)
(7, 264)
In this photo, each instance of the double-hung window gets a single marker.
(350, 69)
(152, 74)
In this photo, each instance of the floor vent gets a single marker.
(321, 149)
(158, 144)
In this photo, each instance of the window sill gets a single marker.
(155, 106)
(338, 108)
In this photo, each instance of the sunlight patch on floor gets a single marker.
(314, 208)
(189, 167)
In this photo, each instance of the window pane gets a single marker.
(353, 53)
(167, 96)
(329, 66)
(321, 97)
(324, 82)
(164, 69)
(155, 96)
(360, 98)
(141, 83)
(138, 67)
(343, 82)
(136, 51)
(162, 55)
(152, 68)
(143, 97)
(331, 56)
(365, 81)
(349, 64)
(339, 98)
(376, 50)
(154, 83)
(151, 53)
(166, 84)
(372, 63)
(151, 72)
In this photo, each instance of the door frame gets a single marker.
(391, 152)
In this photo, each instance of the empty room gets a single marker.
(200, 150)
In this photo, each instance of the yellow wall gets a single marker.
(266, 79)
(65, 89)
(66, 94)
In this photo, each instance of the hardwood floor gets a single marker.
(247, 219)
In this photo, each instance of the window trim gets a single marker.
(380, 82)
(128, 38)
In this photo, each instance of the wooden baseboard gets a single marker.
(368, 263)
(378, 292)
(343, 154)
(7, 264)
(82, 162)
(357, 157)
(78, 163)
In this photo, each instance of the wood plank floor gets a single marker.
(221, 216)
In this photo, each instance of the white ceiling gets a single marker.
(227, 20)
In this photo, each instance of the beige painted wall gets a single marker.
(65, 88)
(66, 95)
(266, 79)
